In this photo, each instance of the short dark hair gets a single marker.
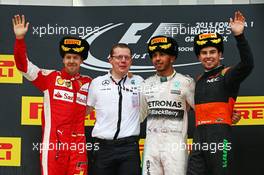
(120, 45)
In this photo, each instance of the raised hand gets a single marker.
(237, 24)
(20, 26)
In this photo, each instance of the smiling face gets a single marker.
(163, 63)
(72, 63)
(210, 57)
(121, 61)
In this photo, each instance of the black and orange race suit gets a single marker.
(215, 94)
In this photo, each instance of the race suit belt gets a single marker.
(162, 130)
(74, 134)
(214, 113)
(117, 141)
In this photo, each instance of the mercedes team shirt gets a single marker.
(117, 106)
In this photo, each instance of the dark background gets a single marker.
(43, 51)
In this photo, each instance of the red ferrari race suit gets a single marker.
(63, 140)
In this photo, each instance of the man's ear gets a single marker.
(221, 54)
(110, 58)
(173, 59)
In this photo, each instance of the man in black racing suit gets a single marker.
(215, 94)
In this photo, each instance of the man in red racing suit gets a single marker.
(65, 94)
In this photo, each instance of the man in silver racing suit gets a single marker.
(165, 99)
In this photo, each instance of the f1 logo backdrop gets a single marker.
(21, 104)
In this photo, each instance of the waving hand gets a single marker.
(20, 26)
(237, 24)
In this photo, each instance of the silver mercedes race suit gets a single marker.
(165, 102)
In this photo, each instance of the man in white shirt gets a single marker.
(115, 98)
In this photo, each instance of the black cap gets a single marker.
(74, 45)
(208, 39)
(163, 44)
